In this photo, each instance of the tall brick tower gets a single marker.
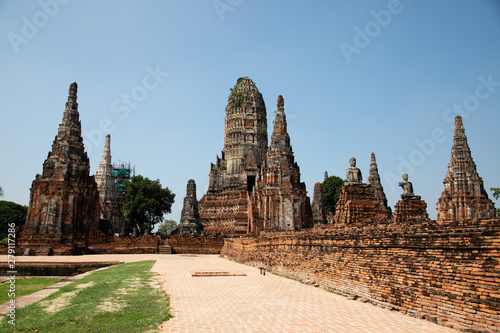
(224, 209)
(251, 187)
(464, 197)
(281, 199)
(245, 139)
(64, 199)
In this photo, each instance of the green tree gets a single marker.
(1, 191)
(496, 192)
(11, 212)
(331, 193)
(146, 202)
(166, 227)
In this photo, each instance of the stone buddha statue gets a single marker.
(407, 188)
(353, 174)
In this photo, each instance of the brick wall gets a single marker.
(182, 244)
(448, 272)
(94, 243)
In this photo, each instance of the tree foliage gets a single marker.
(166, 227)
(11, 212)
(1, 191)
(496, 192)
(146, 202)
(331, 193)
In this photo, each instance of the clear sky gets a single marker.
(357, 77)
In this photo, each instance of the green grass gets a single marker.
(141, 307)
(25, 287)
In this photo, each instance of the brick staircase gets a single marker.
(164, 249)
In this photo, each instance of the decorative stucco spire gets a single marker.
(104, 175)
(106, 154)
(464, 197)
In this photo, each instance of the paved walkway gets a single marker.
(255, 303)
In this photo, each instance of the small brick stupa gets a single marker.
(190, 218)
(318, 210)
(358, 205)
(374, 181)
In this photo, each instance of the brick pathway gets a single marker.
(256, 303)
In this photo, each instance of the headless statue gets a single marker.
(353, 174)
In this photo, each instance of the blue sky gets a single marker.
(357, 77)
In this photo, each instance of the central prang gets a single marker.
(241, 195)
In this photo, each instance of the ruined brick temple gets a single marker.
(64, 200)
(71, 211)
(446, 271)
(254, 187)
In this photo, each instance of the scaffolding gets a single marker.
(122, 172)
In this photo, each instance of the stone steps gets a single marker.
(164, 249)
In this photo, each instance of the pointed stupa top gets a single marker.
(461, 163)
(71, 117)
(280, 140)
(106, 153)
(374, 177)
(68, 143)
(374, 180)
(326, 175)
(104, 175)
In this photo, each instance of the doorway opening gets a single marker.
(250, 183)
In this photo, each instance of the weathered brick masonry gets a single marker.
(449, 273)
(184, 244)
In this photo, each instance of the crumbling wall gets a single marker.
(183, 244)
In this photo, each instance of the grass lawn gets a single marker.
(25, 287)
(118, 299)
